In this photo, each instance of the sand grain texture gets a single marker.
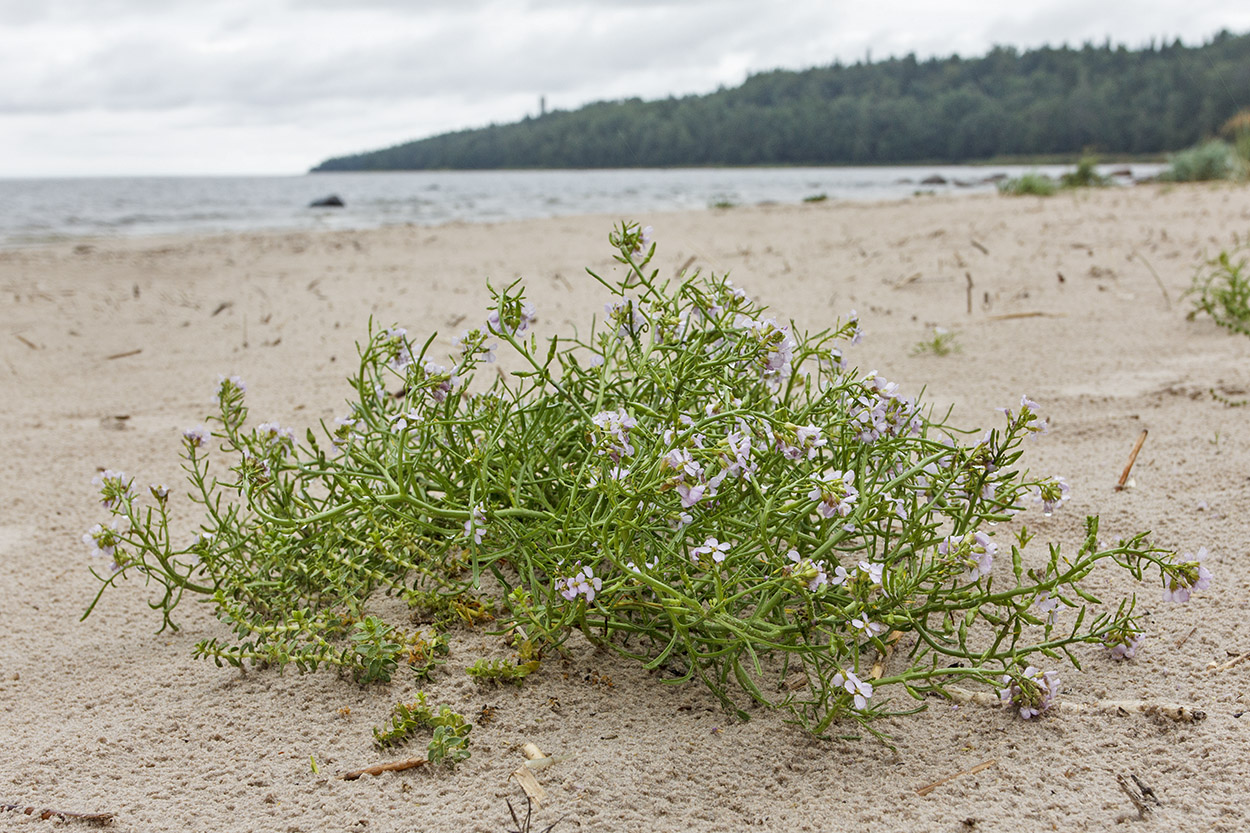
(105, 716)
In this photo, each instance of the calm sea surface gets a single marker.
(34, 211)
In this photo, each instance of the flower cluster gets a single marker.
(774, 351)
(974, 551)
(513, 317)
(612, 434)
(1050, 494)
(394, 345)
(114, 488)
(1027, 420)
(104, 540)
(881, 412)
(1031, 692)
(834, 494)
(1186, 575)
(275, 438)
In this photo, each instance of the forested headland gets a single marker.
(1038, 103)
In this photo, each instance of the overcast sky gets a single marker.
(124, 87)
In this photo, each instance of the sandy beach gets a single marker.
(109, 348)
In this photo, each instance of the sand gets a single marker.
(109, 348)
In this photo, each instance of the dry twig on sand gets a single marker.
(1132, 458)
(928, 788)
(378, 769)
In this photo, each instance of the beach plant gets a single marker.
(943, 342)
(1211, 160)
(1237, 131)
(1085, 176)
(1030, 184)
(692, 485)
(450, 744)
(1221, 289)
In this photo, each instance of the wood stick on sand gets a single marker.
(378, 769)
(1132, 458)
(928, 788)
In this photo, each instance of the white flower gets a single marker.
(854, 686)
(717, 549)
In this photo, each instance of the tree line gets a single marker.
(1041, 102)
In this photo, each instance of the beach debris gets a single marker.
(529, 812)
(979, 246)
(222, 307)
(378, 769)
(332, 201)
(1120, 708)
(535, 759)
(1011, 316)
(124, 355)
(968, 276)
(26, 341)
(1216, 668)
(1138, 793)
(1132, 458)
(64, 815)
(933, 179)
(928, 788)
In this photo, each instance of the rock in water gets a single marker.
(332, 201)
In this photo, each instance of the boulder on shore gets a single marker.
(332, 201)
(935, 179)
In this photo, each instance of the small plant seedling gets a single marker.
(943, 342)
(502, 671)
(451, 730)
(1221, 289)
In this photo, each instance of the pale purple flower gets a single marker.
(806, 570)
(840, 576)
(104, 540)
(626, 317)
(835, 494)
(681, 461)
(346, 431)
(471, 344)
(874, 571)
(1032, 693)
(394, 341)
(113, 486)
(196, 437)
(1124, 644)
(229, 384)
(650, 565)
(975, 551)
(1189, 574)
(475, 526)
(443, 381)
(870, 629)
(159, 491)
(854, 686)
(614, 427)
(712, 547)
(406, 421)
(515, 321)
(1047, 606)
(1050, 494)
(582, 583)
(690, 495)
(275, 437)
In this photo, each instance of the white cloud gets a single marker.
(130, 86)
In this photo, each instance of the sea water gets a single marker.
(34, 211)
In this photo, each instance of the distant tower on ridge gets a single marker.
(542, 105)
